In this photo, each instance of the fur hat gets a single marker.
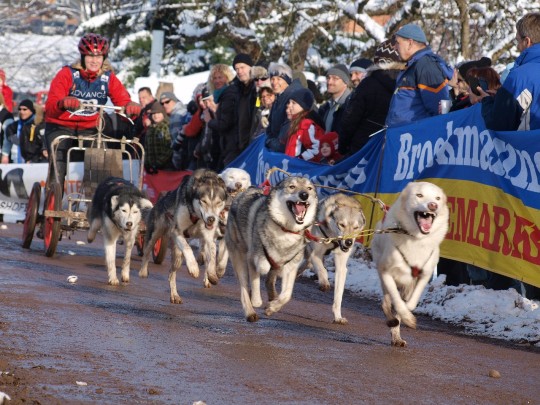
(386, 53)
(360, 65)
(341, 71)
(28, 104)
(414, 32)
(303, 97)
(258, 72)
(466, 66)
(242, 58)
(281, 70)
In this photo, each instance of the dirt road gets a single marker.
(129, 345)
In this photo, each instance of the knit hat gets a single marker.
(330, 138)
(2, 75)
(412, 31)
(466, 66)
(386, 53)
(360, 65)
(303, 97)
(341, 71)
(28, 104)
(281, 70)
(168, 95)
(242, 58)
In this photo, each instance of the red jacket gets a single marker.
(61, 86)
(8, 97)
(304, 143)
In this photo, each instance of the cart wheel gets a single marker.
(159, 251)
(31, 215)
(51, 226)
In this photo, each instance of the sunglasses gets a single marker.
(261, 79)
(165, 102)
(23, 109)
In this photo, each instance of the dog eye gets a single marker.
(437, 198)
(419, 195)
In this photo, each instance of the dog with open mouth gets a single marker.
(407, 251)
(267, 235)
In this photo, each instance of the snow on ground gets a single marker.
(504, 314)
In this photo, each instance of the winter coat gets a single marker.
(158, 147)
(366, 111)
(6, 118)
(64, 84)
(420, 88)
(32, 142)
(304, 143)
(516, 105)
(8, 97)
(13, 136)
(327, 108)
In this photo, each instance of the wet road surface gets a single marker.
(129, 345)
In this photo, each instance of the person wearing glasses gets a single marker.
(11, 147)
(516, 104)
(88, 80)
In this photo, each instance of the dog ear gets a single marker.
(114, 202)
(146, 204)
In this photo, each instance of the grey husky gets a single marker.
(339, 216)
(406, 257)
(117, 210)
(266, 235)
(191, 211)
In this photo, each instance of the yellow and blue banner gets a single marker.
(492, 180)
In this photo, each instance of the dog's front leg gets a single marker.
(209, 252)
(223, 257)
(393, 321)
(260, 267)
(288, 277)
(340, 260)
(416, 293)
(129, 238)
(318, 265)
(400, 307)
(176, 263)
(191, 262)
(241, 268)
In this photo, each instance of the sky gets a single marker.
(502, 315)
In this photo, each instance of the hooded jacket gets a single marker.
(419, 88)
(516, 105)
(71, 80)
(367, 108)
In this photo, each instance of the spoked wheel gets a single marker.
(30, 219)
(159, 251)
(51, 225)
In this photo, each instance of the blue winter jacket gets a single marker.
(419, 88)
(516, 106)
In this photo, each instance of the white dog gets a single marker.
(406, 257)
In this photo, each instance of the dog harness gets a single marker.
(306, 233)
(415, 270)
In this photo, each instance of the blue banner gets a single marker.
(492, 180)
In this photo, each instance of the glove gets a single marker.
(133, 109)
(69, 103)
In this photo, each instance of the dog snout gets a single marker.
(210, 220)
(433, 206)
(238, 185)
(129, 225)
(348, 242)
(303, 195)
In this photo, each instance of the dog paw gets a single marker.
(252, 317)
(213, 279)
(207, 283)
(341, 321)
(143, 273)
(114, 281)
(256, 302)
(175, 299)
(194, 271)
(324, 287)
(221, 271)
(399, 343)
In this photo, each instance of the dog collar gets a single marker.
(416, 271)
(306, 233)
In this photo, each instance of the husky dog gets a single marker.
(339, 216)
(116, 210)
(266, 235)
(406, 257)
(236, 180)
(190, 211)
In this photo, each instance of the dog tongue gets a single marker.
(299, 209)
(425, 223)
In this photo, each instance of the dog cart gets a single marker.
(103, 157)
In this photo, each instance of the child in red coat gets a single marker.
(306, 126)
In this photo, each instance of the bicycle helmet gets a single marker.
(94, 44)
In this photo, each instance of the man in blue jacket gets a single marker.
(423, 83)
(516, 105)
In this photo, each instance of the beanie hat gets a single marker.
(341, 71)
(303, 97)
(412, 31)
(466, 66)
(28, 104)
(242, 58)
(281, 70)
(386, 53)
(168, 95)
(360, 65)
(2, 75)
(330, 138)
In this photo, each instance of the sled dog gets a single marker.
(266, 235)
(406, 257)
(116, 209)
(338, 216)
(190, 211)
